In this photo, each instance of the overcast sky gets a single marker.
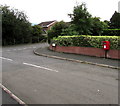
(48, 10)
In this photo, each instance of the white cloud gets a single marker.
(46, 10)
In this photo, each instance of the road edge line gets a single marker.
(13, 95)
(73, 60)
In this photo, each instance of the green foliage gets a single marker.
(37, 30)
(115, 20)
(16, 29)
(84, 23)
(97, 26)
(87, 41)
(69, 31)
(82, 19)
(37, 34)
(111, 32)
(56, 30)
(96, 41)
(107, 23)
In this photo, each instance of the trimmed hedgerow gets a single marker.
(87, 41)
(111, 32)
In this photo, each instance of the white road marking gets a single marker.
(6, 58)
(40, 67)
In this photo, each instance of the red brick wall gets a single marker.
(114, 54)
(87, 51)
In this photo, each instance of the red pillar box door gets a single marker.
(106, 45)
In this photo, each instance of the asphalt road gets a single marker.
(41, 80)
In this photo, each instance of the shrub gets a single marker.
(37, 35)
(56, 30)
(70, 30)
(37, 39)
(111, 32)
(87, 41)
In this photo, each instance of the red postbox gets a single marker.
(106, 45)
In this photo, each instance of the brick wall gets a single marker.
(114, 54)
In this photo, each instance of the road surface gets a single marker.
(41, 80)
(6, 99)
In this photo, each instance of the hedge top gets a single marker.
(87, 41)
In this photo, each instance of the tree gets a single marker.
(69, 31)
(16, 29)
(36, 33)
(82, 19)
(107, 23)
(84, 22)
(56, 30)
(115, 20)
(97, 26)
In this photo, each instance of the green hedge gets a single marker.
(111, 32)
(87, 41)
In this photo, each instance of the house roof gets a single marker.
(47, 23)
